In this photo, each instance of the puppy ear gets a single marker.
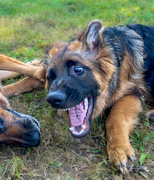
(52, 52)
(92, 34)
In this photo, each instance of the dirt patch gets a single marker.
(60, 156)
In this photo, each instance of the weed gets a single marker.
(17, 166)
(54, 165)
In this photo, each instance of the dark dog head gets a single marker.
(17, 128)
(83, 75)
(73, 78)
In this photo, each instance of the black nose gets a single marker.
(33, 140)
(56, 98)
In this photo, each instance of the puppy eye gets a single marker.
(51, 75)
(78, 69)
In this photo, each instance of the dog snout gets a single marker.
(56, 98)
(34, 140)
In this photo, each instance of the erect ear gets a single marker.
(92, 34)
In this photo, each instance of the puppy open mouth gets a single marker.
(79, 116)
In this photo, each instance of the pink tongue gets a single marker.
(77, 114)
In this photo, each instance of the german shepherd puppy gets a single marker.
(103, 68)
(17, 128)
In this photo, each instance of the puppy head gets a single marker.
(17, 128)
(76, 77)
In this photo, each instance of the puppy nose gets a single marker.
(56, 98)
(35, 139)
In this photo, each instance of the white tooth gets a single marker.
(82, 131)
(71, 128)
(77, 133)
(83, 127)
(86, 103)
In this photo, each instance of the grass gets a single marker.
(27, 27)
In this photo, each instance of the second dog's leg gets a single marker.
(7, 74)
(9, 64)
(25, 85)
(10, 74)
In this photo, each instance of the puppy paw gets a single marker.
(35, 62)
(40, 74)
(121, 156)
(4, 102)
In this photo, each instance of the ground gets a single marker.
(27, 28)
(60, 156)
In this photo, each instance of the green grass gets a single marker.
(27, 27)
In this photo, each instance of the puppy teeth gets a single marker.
(78, 133)
(82, 131)
(83, 127)
(86, 103)
(71, 128)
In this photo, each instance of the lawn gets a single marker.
(27, 28)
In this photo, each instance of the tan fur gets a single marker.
(12, 129)
(34, 70)
(124, 102)
(119, 125)
(7, 63)
(36, 73)
(75, 46)
(25, 85)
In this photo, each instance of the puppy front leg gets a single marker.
(25, 85)
(10, 74)
(9, 64)
(119, 124)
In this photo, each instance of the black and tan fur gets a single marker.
(17, 128)
(106, 68)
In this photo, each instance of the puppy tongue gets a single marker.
(77, 114)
